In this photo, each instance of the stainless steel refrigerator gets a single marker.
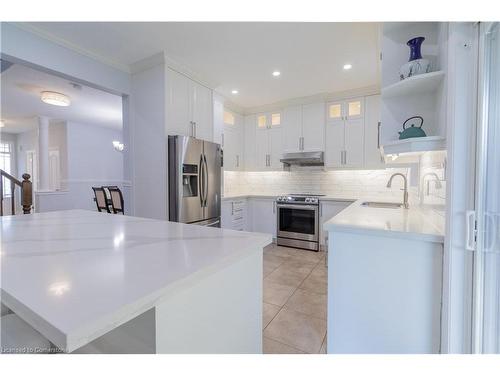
(194, 181)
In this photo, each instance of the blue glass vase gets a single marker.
(416, 64)
(415, 44)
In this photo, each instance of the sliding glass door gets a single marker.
(486, 311)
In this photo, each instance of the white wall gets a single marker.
(91, 161)
(149, 143)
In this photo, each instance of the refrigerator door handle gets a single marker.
(205, 180)
(201, 184)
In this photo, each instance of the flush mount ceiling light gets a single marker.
(276, 73)
(234, 92)
(55, 98)
(347, 66)
(2, 124)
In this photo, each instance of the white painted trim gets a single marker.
(81, 181)
(321, 97)
(65, 43)
(457, 262)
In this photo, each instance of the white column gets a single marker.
(43, 153)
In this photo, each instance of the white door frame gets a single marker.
(456, 316)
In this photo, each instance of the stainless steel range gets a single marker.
(298, 221)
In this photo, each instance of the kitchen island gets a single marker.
(385, 279)
(97, 283)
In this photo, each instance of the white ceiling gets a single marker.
(20, 101)
(240, 56)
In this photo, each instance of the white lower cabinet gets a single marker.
(373, 155)
(234, 214)
(263, 215)
(327, 210)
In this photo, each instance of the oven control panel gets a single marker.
(297, 199)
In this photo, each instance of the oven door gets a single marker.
(298, 222)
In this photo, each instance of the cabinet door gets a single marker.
(354, 108)
(179, 104)
(249, 139)
(292, 123)
(218, 116)
(202, 111)
(275, 148)
(263, 216)
(240, 161)
(261, 149)
(354, 143)
(226, 215)
(373, 156)
(334, 139)
(313, 127)
(230, 149)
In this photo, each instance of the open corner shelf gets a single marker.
(420, 84)
(421, 144)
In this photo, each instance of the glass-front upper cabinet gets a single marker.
(269, 120)
(346, 110)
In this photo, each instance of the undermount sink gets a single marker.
(382, 204)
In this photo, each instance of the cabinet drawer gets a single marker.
(239, 205)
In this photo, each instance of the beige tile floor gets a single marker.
(294, 309)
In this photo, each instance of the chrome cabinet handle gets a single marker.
(300, 140)
(237, 161)
(232, 208)
(342, 157)
(345, 156)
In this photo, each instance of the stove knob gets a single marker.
(308, 200)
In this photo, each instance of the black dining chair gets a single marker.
(116, 199)
(100, 199)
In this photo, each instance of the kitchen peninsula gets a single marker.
(97, 283)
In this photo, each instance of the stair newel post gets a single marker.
(27, 193)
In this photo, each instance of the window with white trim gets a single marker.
(6, 165)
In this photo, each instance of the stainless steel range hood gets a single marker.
(303, 158)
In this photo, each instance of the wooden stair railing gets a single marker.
(26, 192)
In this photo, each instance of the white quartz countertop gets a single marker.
(417, 222)
(75, 275)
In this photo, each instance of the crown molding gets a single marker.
(74, 47)
(321, 97)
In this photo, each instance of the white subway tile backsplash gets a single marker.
(302, 180)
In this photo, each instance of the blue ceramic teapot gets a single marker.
(412, 131)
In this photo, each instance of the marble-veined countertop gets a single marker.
(75, 275)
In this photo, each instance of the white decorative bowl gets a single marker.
(414, 67)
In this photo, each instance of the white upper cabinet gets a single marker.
(304, 127)
(178, 104)
(269, 141)
(292, 120)
(313, 127)
(373, 155)
(233, 141)
(189, 107)
(249, 140)
(345, 133)
(202, 111)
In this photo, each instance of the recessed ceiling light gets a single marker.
(347, 66)
(55, 98)
(234, 92)
(276, 73)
